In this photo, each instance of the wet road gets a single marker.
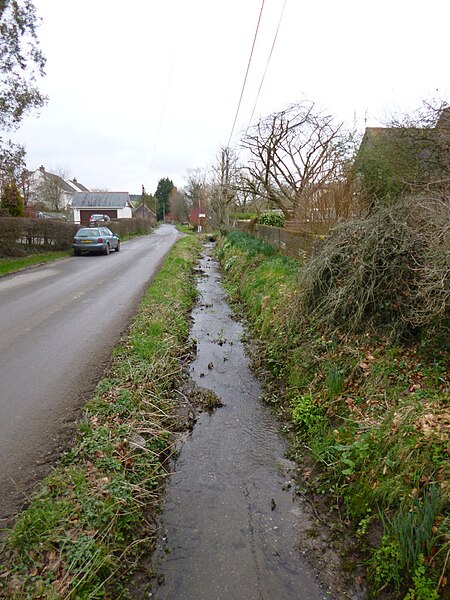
(230, 516)
(58, 324)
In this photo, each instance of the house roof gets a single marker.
(76, 185)
(68, 185)
(412, 135)
(101, 200)
(405, 135)
(54, 179)
(142, 208)
(420, 154)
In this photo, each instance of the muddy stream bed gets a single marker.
(232, 526)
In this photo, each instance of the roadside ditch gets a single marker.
(234, 524)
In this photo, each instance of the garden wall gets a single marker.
(289, 243)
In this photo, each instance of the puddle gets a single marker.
(230, 515)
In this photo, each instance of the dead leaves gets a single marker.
(435, 424)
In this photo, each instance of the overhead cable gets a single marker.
(268, 61)
(246, 73)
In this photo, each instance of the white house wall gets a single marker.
(122, 213)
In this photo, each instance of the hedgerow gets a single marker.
(272, 220)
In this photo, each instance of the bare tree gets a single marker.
(178, 205)
(224, 184)
(297, 155)
(51, 190)
(244, 197)
(251, 195)
(197, 188)
(197, 192)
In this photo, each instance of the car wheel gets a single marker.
(118, 247)
(77, 252)
(107, 249)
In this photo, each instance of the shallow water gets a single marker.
(230, 515)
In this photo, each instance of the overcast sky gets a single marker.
(145, 89)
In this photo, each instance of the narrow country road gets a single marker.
(58, 324)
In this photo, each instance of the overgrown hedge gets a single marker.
(130, 226)
(272, 219)
(19, 237)
(390, 269)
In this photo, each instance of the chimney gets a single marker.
(42, 169)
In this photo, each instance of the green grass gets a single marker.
(10, 265)
(187, 229)
(372, 415)
(83, 533)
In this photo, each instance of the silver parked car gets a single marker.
(95, 239)
(98, 220)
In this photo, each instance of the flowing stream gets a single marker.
(230, 514)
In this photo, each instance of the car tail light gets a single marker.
(100, 241)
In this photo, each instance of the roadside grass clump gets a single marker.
(410, 543)
(10, 265)
(368, 407)
(307, 415)
(83, 533)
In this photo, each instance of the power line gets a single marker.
(268, 61)
(163, 110)
(246, 73)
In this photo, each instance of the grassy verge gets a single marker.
(186, 229)
(10, 265)
(85, 530)
(370, 422)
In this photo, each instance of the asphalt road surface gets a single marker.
(58, 324)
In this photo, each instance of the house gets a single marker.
(144, 212)
(47, 191)
(406, 155)
(116, 205)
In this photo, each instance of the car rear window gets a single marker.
(87, 233)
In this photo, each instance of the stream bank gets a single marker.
(233, 526)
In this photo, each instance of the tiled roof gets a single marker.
(100, 200)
